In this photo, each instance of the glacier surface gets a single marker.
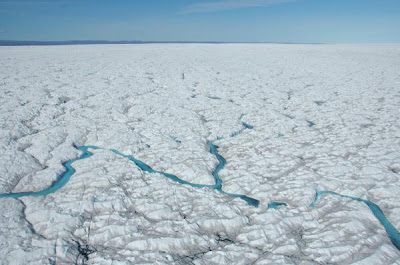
(310, 132)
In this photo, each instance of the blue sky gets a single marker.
(328, 21)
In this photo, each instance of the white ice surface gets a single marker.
(139, 98)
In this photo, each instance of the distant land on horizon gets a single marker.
(88, 42)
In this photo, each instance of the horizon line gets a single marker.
(109, 42)
(94, 42)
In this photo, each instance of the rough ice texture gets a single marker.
(324, 117)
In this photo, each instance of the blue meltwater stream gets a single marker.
(69, 171)
(62, 180)
(392, 232)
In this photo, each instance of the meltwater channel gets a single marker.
(63, 179)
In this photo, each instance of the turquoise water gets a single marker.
(392, 232)
(61, 180)
(218, 182)
(311, 124)
(245, 126)
(143, 166)
(220, 166)
(275, 205)
(69, 171)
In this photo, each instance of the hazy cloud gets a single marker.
(3, 31)
(229, 4)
